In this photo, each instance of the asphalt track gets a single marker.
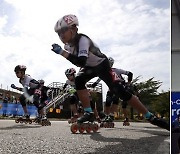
(138, 138)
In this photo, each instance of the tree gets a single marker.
(147, 90)
(148, 93)
(162, 104)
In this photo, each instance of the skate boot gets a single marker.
(159, 122)
(37, 120)
(85, 123)
(73, 119)
(98, 119)
(45, 121)
(126, 122)
(108, 122)
(24, 119)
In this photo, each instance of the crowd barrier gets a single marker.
(16, 109)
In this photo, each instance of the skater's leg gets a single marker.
(135, 103)
(22, 100)
(84, 98)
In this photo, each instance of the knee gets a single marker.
(108, 101)
(121, 92)
(22, 100)
(80, 83)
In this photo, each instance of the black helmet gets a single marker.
(20, 68)
(70, 71)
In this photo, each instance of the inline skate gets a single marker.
(126, 122)
(24, 119)
(37, 120)
(85, 123)
(45, 121)
(73, 119)
(159, 122)
(108, 122)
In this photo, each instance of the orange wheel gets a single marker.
(88, 128)
(81, 128)
(95, 127)
(74, 128)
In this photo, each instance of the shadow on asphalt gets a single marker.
(20, 126)
(142, 145)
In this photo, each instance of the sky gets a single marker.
(135, 33)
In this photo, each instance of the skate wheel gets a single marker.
(30, 122)
(95, 128)
(21, 122)
(106, 125)
(112, 125)
(101, 125)
(88, 128)
(74, 128)
(16, 121)
(69, 121)
(81, 128)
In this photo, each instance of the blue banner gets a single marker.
(16, 109)
(175, 105)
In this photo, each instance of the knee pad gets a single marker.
(22, 100)
(121, 92)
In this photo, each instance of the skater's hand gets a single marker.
(13, 86)
(57, 49)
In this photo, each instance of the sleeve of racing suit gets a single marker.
(78, 61)
(130, 76)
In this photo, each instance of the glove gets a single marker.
(13, 86)
(57, 49)
(94, 85)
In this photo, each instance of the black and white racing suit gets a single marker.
(31, 88)
(85, 54)
(110, 97)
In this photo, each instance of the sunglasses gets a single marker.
(69, 75)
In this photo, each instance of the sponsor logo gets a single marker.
(176, 102)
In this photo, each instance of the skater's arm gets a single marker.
(18, 88)
(76, 60)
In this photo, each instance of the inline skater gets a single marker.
(32, 93)
(111, 103)
(80, 50)
(74, 100)
(75, 105)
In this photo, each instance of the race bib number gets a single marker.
(114, 75)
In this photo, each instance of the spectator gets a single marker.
(6, 99)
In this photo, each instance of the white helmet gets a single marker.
(66, 21)
(111, 61)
